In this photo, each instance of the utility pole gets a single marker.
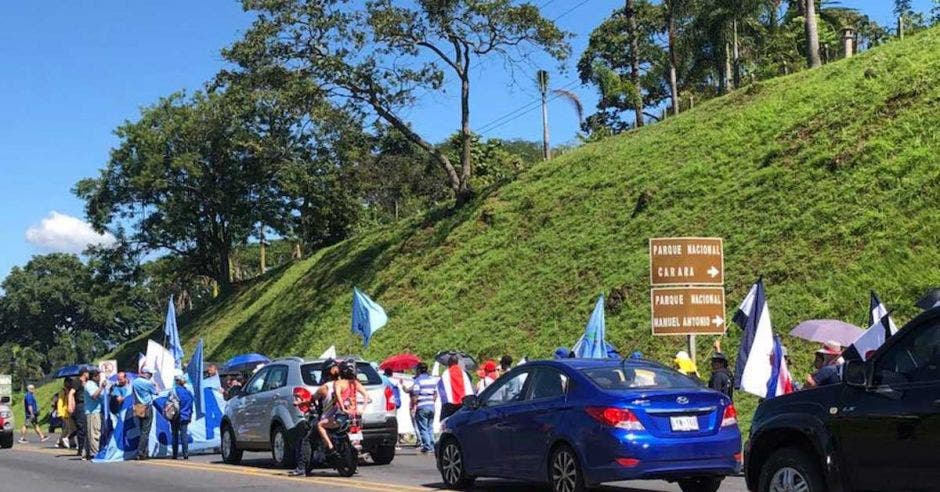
(542, 77)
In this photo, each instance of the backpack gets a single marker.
(172, 408)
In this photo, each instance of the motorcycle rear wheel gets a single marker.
(348, 460)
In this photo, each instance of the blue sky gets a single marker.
(70, 72)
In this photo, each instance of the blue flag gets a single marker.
(592, 344)
(367, 316)
(172, 335)
(753, 368)
(194, 371)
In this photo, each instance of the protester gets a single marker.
(423, 396)
(329, 373)
(144, 392)
(722, 379)
(505, 364)
(562, 353)
(684, 364)
(180, 422)
(31, 412)
(487, 375)
(827, 366)
(93, 400)
(786, 358)
(62, 408)
(55, 422)
(452, 387)
(212, 370)
(76, 400)
(119, 393)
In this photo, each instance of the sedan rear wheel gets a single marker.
(451, 464)
(564, 471)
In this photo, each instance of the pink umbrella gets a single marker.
(826, 330)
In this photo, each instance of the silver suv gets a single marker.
(263, 417)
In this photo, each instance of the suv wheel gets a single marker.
(700, 484)
(230, 452)
(564, 471)
(383, 455)
(791, 469)
(6, 441)
(281, 450)
(451, 464)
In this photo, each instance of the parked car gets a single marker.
(580, 422)
(262, 416)
(7, 424)
(877, 430)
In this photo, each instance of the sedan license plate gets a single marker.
(684, 423)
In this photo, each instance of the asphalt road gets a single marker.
(44, 469)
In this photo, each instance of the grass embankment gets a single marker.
(826, 183)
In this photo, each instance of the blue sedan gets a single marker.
(581, 422)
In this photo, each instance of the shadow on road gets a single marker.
(510, 486)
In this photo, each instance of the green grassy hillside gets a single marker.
(826, 183)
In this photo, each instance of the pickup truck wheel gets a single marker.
(6, 441)
(700, 484)
(791, 470)
(383, 455)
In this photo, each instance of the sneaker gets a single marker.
(296, 473)
(23, 441)
(44, 439)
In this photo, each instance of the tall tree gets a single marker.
(812, 34)
(23, 363)
(672, 9)
(379, 59)
(186, 179)
(633, 35)
(542, 80)
(607, 62)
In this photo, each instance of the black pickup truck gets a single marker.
(878, 430)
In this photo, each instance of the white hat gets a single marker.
(147, 370)
(178, 374)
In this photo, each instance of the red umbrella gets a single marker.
(400, 362)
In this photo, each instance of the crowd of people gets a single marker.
(78, 410)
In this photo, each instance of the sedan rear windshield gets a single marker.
(646, 377)
(364, 371)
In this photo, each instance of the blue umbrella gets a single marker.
(244, 362)
(592, 344)
(68, 371)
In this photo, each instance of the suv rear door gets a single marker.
(269, 397)
(890, 433)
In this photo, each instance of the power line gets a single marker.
(498, 121)
(529, 110)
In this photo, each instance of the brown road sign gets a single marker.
(688, 310)
(687, 261)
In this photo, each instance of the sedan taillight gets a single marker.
(730, 417)
(620, 418)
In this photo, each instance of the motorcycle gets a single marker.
(346, 439)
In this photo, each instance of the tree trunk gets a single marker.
(264, 265)
(812, 35)
(463, 192)
(673, 84)
(630, 12)
(726, 71)
(298, 252)
(546, 146)
(900, 27)
(224, 278)
(737, 53)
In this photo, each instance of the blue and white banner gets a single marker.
(877, 311)
(121, 434)
(869, 341)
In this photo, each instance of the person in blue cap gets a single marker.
(562, 353)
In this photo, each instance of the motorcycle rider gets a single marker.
(339, 397)
(329, 372)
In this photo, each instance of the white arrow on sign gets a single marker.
(718, 320)
(713, 272)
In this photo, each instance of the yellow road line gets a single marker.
(259, 472)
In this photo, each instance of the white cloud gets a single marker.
(61, 233)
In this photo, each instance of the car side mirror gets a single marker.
(471, 402)
(855, 374)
